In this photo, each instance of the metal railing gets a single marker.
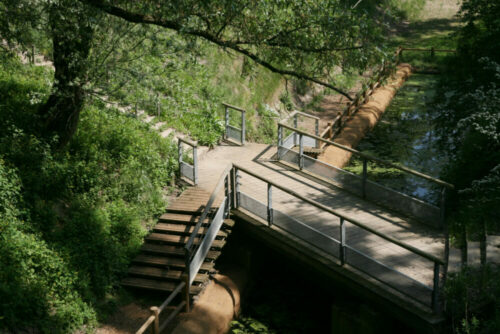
(154, 319)
(292, 139)
(231, 132)
(340, 248)
(187, 170)
(367, 189)
(196, 248)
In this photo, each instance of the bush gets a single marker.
(72, 219)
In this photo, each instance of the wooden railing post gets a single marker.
(365, 174)
(226, 119)
(186, 293)
(301, 151)
(436, 307)
(156, 324)
(269, 204)
(342, 242)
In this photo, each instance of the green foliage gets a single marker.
(472, 301)
(70, 219)
(247, 325)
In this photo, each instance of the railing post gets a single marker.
(187, 274)
(156, 325)
(226, 119)
(269, 204)
(365, 172)
(195, 165)
(301, 151)
(435, 291)
(187, 292)
(442, 209)
(237, 186)
(179, 151)
(243, 125)
(342, 242)
(295, 125)
(227, 193)
(233, 188)
(280, 140)
(316, 131)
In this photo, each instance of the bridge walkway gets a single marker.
(259, 159)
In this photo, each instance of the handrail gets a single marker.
(351, 220)
(189, 142)
(156, 311)
(233, 107)
(369, 157)
(227, 125)
(296, 112)
(208, 207)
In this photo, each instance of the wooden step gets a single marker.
(179, 218)
(170, 262)
(180, 229)
(178, 239)
(151, 284)
(172, 250)
(159, 273)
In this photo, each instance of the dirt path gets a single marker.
(365, 119)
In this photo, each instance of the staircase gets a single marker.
(160, 264)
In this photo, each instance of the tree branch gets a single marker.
(149, 19)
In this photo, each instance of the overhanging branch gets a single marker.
(214, 38)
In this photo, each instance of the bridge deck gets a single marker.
(258, 159)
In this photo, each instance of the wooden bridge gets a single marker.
(288, 198)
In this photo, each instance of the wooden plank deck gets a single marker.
(258, 159)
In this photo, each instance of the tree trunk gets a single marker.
(464, 247)
(482, 243)
(71, 37)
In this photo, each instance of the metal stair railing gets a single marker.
(187, 170)
(195, 254)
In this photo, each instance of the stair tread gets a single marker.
(166, 261)
(152, 284)
(179, 239)
(173, 250)
(182, 229)
(179, 217)
(159, 273)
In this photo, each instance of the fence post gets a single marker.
(301, 151)
(226, 118)
(365, 172)
(186, 292)
(435, 291)
(316, 131)
(342, 242)
(227, 193)
(233, 188)
(237, 186)
(269, 204)
(295, 125)
(280, 140)
(180, 152)
(156, 313)
(243, 125)
(195, 165)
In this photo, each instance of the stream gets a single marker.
(405, 136)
